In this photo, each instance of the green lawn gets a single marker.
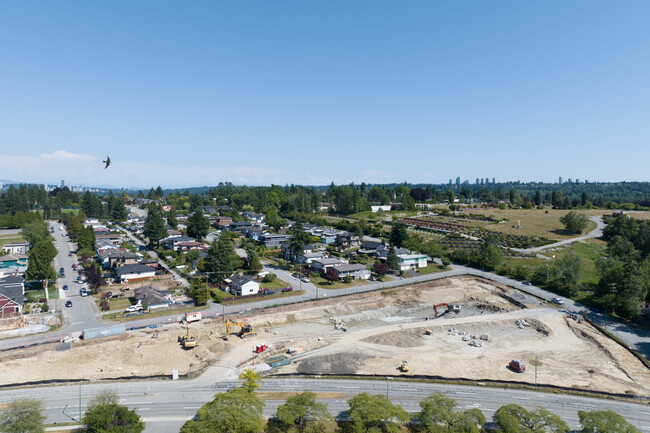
(322, 283)
(121, 317)
(115, 304)
(432, 268)
(589, 253)
(8, 239)
(249, 299)
(276, 284)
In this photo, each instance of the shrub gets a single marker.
(268, 278)
(45, 308)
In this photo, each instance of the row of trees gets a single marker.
(624, 272)
(240, 411)
(103, 414)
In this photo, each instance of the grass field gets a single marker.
(114, 304)
(589, 253)
(121, 317)
(10, 238)
(322, 283)
(249, 299)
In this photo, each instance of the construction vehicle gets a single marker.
(187, 341)
(428, 332)
(404, 367)
(454, 307)
(245, 329)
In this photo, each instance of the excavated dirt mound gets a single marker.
(406, 338)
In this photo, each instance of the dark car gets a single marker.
(65, 287)
(61, 270)
(527, 283)
(270, 292)
(70, 254)
(296, 275)
(287, 289)
(68, 303)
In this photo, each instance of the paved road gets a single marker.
(595, 233)
(166, 405)
(82, 314)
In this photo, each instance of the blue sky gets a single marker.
(257, 92)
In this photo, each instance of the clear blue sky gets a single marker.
(308, 92)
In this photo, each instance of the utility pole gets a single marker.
(536, 362)
(80, 380)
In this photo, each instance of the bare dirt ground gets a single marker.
(369, 334)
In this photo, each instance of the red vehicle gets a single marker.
(517, 366)
(287, 289)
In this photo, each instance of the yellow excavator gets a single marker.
(187, 341)
(245, 329)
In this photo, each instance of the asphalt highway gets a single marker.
(166, 405)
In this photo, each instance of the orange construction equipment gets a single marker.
(435, 307)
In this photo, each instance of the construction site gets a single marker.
(476, 329)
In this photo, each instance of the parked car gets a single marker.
(70, 254)
(133, 308)
(557, 301)
(65, 287)
(296, 275)
(68, 303)
(304, 279)
(517, 366)
(107, 295)
(269, 292)
(287, 289)
(83, 292)
(527, 283)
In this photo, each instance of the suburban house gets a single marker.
(173, 234)
(328, 236)
(253, 233)
(243, 285)
(322, 265)
(12, 293)
(152, 263)
(114, 258)
(239, 227)
(100, 230)
(356, 271)
(135, 272)
(380, 208)
(371, 248)
(16, 248)
(347, 240)
(113, 239)
(310, 252)
(172, 243)
(151, 297)
(411, 261)
(16, 262)
(222, 221)
(182, 247)
(383, 254)
(252, 216)
(272, 241)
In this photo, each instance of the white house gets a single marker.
(411, 261)
(243, 285)
(135, 273)
(356, 271)
(380, 208)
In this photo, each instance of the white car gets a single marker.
(304, 279)
(557, 301)
(133, 308)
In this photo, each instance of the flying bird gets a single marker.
(108, 162)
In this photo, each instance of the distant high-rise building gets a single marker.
(577, 180)
(494, 181)
(465, 182)
(477, 181)
(62, 183)
(569, 180)
(560, 180)
(482, 181)
(450, 182)
(458, 181)
(487, 180)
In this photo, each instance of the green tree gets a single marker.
(221, 258)
(303, 413)
(86, 239)
(513, 418)
(574, 222)
(35, 231)
(565, 273)
(105, 414)
(438, 415)
(235, 411)
(199, 294)
(154, 226)
(198, 225)
(490, 252)
(171, 218)
(40, 260)
(299, 238)
(251, 380)
(391, 258)
(375, 413)
(604, 421)
(22, 416)
(118, 210)
(398, 235)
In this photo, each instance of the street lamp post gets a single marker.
(388, 378)
(80, 380)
